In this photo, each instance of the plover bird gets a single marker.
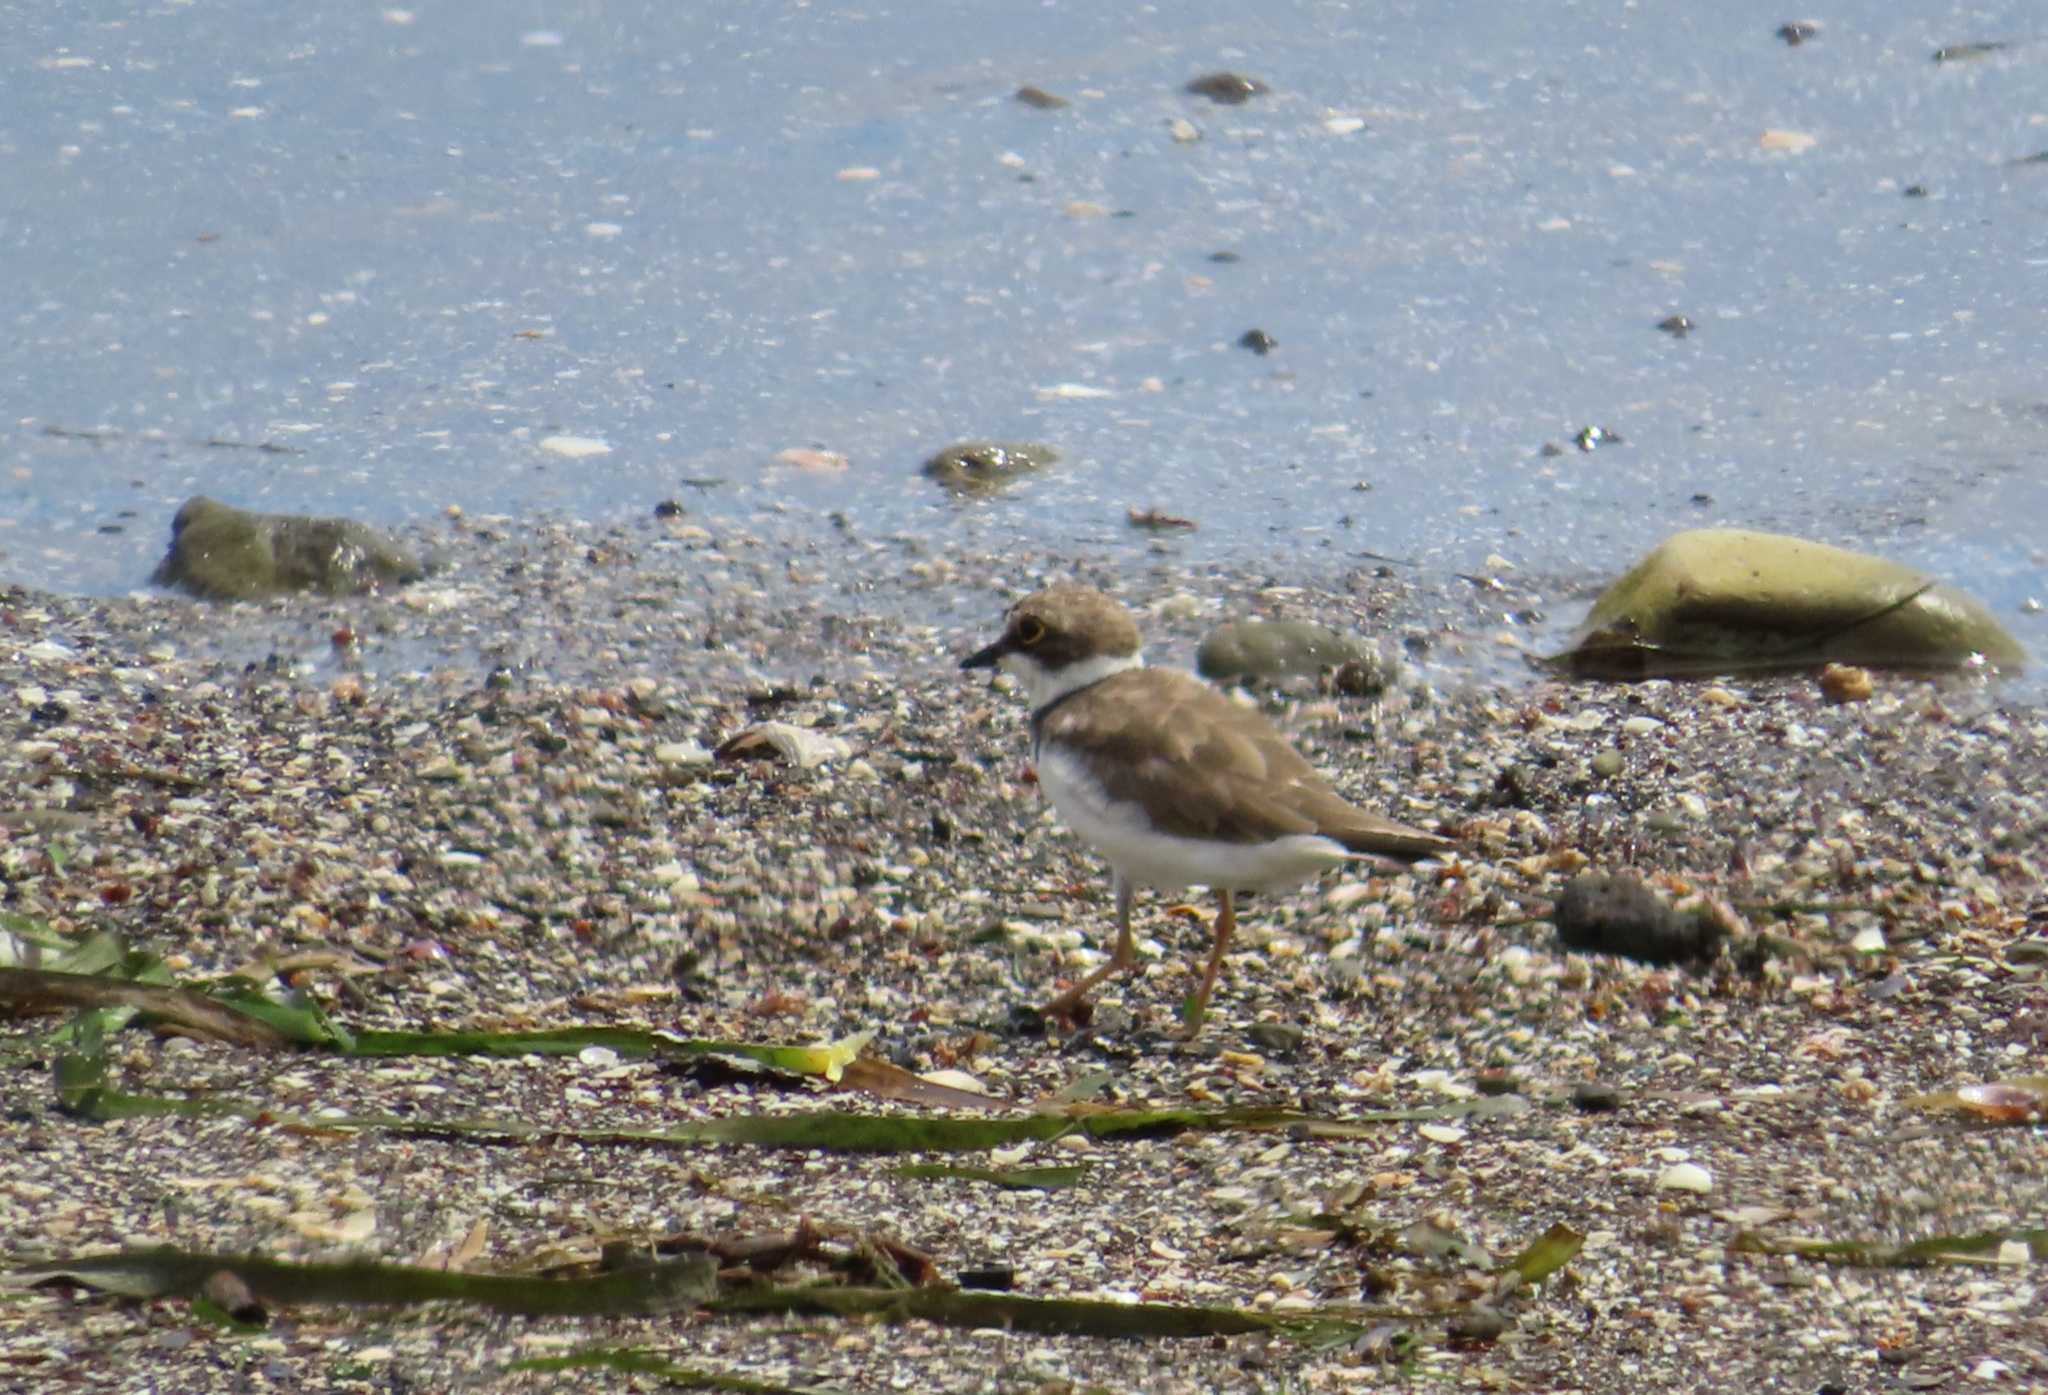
(1173, 783)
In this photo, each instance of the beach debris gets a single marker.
(1154, 521)
(802, 747)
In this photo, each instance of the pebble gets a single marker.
(574, 447)
(1685, 1177)
(1226, 88)
(1279, 1038)
(1595, 1097)
(1480, 1322)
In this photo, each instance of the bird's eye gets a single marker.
(1030, 631)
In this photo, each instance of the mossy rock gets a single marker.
(1274, 651)
(982, 467)
(1726, 600)
(221, 553)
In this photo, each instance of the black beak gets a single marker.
(986, 658)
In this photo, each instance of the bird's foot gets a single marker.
(1071, 1008)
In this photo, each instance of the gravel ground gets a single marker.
(488, 802)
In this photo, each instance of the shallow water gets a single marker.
(409, 245)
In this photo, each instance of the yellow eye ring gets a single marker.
(1030, 630)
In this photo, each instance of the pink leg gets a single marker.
(1067, 1004)
(1198, 1005)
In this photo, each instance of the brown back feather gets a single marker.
(1213, 769)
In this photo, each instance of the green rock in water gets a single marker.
(219, 553)
(981, 467)
(1725, 600)
(1273, 651)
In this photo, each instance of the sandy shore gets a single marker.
(491, 802)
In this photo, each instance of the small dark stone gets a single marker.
(668, 508)
(1916, 191)
(1024, 1020)
(1702, 500)
(1040, 99)
(1225, 258)
(687, 969)
(1677, 326)
(649, 705)
(1227, 89)
(1513, 788)
(617, 1254)
(1798, 31)
(998, 1277)
(1277, 1038)
(1595, 1097)
(942, 827)
(1258, 341)
(1478, 1323)
(1617, 913)
(1368, 676)
(231, 1293)
(48, 713)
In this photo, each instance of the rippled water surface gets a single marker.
(408, 245)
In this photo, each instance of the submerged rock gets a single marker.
(979, 467)
(221, 553)
(1724, 600)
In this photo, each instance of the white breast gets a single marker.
(1122, 833)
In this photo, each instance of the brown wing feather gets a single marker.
(1212, 769)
